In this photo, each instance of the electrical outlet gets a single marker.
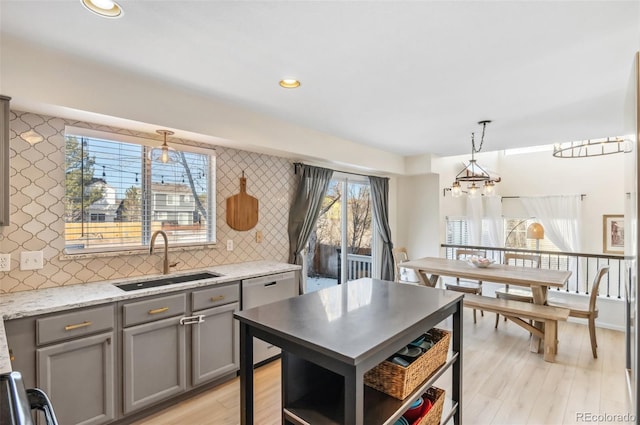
(259, 236)
(31, 260)
(5, 262)
(229, 245)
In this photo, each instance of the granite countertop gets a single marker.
(51, 300)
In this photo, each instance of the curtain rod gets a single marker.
(340, 171)
(582, 196)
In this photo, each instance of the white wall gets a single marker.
(418, 218)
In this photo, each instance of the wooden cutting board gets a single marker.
(242, 209)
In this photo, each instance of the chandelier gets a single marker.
(474, 173)
(588, 148)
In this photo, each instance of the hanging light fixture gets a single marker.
(589, 148)
(164, 149)
(473, 173)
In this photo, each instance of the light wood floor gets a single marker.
(503, 383)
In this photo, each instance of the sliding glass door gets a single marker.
(341, 246)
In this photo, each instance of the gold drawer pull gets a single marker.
(11, 356)
(78, 325)
(217, 298)
(158, 310)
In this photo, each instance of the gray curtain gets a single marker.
(380, 202)
(307, 201)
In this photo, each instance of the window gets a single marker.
(341, 246)
(98, 217)
(118, 193)
(515, 230)
(457, 232)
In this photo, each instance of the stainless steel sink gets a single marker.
(169, 280)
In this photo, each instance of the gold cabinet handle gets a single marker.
(78, 325)
(11, 356)
(217, 298)
(158, 310)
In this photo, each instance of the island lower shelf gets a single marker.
(324, 404)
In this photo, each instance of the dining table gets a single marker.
(430, 269)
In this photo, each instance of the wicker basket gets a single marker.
(398, 381)
(434, 415)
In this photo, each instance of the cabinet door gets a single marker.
(154, 364)
(78, 377)
(215, 344)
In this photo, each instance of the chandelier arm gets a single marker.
(590, 148)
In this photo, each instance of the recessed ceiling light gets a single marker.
(289, 83)
(104, 8)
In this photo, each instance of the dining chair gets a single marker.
(469, 287)
(587, 311)
(399, 256)
(518, 294)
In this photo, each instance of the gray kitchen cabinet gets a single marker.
(71, 356)
(154, 352)
(215, 344)
(102, 364)
(78, 376)
(164, 339)
(215, 334)
(21, 338)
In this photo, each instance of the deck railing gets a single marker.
(583, 267)
(357, 266)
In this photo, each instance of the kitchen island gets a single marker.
(330, 338)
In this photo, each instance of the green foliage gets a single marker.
(132, 205)
(78, 179)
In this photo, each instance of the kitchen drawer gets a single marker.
(217, 295)
(153, 309)
(73, 325)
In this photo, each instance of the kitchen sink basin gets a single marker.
(169, 280)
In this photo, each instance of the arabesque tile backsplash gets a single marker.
(37, 211)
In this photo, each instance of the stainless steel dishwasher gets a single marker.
(265, 290)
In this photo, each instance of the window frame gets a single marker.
(147, 144)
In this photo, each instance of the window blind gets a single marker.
(119, 193)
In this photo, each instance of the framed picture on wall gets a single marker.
(613, 234)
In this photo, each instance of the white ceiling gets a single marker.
(408, 77)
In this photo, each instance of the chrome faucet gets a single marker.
(165, 264)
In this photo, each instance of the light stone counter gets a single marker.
(51, 300)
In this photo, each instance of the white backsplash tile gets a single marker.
(37, 210)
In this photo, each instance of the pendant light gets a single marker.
(164, 155)
(474, 172)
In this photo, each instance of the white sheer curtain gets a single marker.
(474, 220)
(493, 220)
(560, 217)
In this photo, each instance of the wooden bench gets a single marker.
(518, 310)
